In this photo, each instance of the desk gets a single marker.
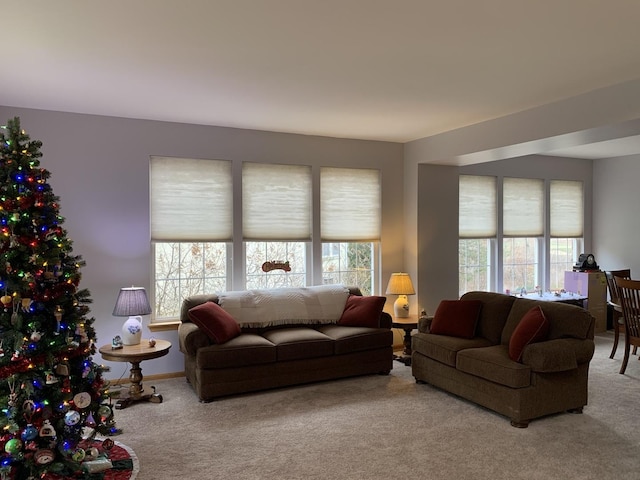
(134, 354)
(407, 324)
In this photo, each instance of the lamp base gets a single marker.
(401, 307)
(132, 331)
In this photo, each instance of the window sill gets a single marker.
(164, 326)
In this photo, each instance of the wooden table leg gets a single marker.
(136, 389)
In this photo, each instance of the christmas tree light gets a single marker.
(53, 399)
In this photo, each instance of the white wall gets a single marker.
(616, 219)
(99, 169)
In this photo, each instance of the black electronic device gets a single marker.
(586, 261)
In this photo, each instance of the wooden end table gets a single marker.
(407, 324)
(134, 354)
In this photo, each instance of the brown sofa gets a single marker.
(551, 377)
(277, 356)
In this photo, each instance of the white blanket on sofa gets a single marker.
(285, 306)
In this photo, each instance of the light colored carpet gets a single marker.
(383, 427)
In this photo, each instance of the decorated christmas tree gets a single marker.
(52, 395)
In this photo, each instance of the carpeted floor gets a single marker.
(384, 427)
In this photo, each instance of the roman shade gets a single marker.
(350, 204)
(477, 207)
(190, 199)
(566, 209)
(523, 207)
(276, 202)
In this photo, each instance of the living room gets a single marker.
(100, 171)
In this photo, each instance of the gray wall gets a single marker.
(99, 169)
(616, 219)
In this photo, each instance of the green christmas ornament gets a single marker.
(13, 446)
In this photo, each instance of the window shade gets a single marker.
(477, 207)
(523, 207)
(566, 209)
(191, 199)
(350, 204)
(276, 202)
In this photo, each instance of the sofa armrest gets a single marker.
(558, 355)
(385, 320)
(191, 338)
(424, 324)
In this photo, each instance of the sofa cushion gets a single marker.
(299, 342)
(456, 318)
(219, 326)
(493, 363)
(357, 339)
(443, 348)
(362, 311)
(494, 313)
(534, 327)
(241, 351)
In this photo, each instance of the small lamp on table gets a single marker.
(400, 284)
(132, 302)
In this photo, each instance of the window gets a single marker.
(527, 254)
(194, 210)
(349, 264)
(477, 225)
(523, 231)
(190, 241)
(566, 228)
(183, 269)
(257, 253)
(350, 241)
(474, 265)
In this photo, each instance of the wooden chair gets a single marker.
(629, 291)
(614, 302)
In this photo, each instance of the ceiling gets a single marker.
(370, 69)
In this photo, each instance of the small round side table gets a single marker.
(134, 354)
(407, 324)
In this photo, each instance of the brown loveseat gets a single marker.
(550, 377)
(286, 354)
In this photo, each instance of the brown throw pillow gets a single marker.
(219, 326)
(362, 311)
(456, 318)
(533, 327)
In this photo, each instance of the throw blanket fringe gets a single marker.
(286, 306)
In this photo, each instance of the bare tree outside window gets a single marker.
(184, 269)
(257, 253)
(473, 265)
(349, 264)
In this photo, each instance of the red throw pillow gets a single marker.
(456, 318)
(362, 311)
(215, 322)
(533, 327)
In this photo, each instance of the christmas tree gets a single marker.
(52, 396)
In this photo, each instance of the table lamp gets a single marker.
(132, 302)
(400, 284)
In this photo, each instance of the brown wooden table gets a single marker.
(134, 354)
(407, 324)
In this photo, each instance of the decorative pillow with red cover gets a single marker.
(456, 318)
(361, 311)
(219, 326)
(533, 327)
